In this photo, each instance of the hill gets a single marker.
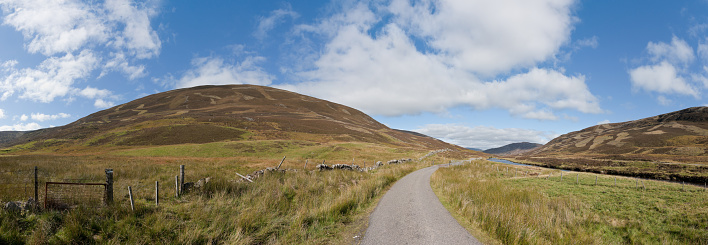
(207, 114)
(513, 149)
(674, 135)
(671, 146)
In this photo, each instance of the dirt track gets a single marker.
(410, 213)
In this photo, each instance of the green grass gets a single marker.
(533, 210)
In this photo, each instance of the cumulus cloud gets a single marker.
(54, 77)
(266, 24)
(603, 122)
(21, 127)
(44, 117)
(102, 104)
(2, 114)
(75, 36)
(92, 93)
(669, 70)
(24, 117)
(217, 71)
(661, 78)
(366, 71)
(483, 137)
(488, 37)
(678, 52)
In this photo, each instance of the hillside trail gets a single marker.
(410, 213)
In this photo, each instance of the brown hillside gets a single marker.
(224, 113)
(674, 135)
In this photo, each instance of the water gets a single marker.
(513, 163)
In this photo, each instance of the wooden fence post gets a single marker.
(244, 177)
(615, 180)
(281, 163)
(181, 181)
(561, 176)
(157, 193)
(306, 164)
(595, 179)
(577, 179)
(130, 195)
(176, 186)
(36, 188)
(109, 186)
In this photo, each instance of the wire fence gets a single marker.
(17, 184)
(23, 185)
(68, 195)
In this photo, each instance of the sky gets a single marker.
(476, 73)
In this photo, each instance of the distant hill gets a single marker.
(475, 149)
(513, 148)
(220, 113)
(680, 136)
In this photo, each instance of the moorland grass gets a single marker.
(540, 210)
(296, 207)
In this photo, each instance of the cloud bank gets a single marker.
(428, 56)
(76, 38)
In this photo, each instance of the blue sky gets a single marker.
(475, 73)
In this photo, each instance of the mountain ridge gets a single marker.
(513, 148)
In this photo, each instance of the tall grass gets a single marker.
(533, 210)
(278, 208)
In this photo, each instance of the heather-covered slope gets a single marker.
(220, 113)
(674, 135)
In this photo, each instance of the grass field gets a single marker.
(301, 206)
(528, 209)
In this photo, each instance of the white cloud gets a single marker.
(2, 114)
(588, 42)
(677, 53)
(366, 70)
(24, 117)
(102, 104)
(663, 100)
(44, 117)
(216, 71)
(489, 37)
(702, 50)
(54, 77)
(54, 27)
(119, 62)
(93, 93)
(76, 37)
(483, 137)
(603, 122)
(137, 35)
(266, 24)
(21, 127)
(662, 78)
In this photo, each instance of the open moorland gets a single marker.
(530, 205)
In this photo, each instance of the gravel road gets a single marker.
(410, 213)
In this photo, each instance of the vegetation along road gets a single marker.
(410, 213)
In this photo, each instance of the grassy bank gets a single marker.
(529, 209)
(279, 208)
